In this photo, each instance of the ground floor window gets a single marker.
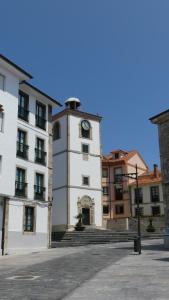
(156, 210)
(105, 209)
(29, 219)
(119, 209)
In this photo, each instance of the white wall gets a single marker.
(60, 170)
(9, 100)
(61, 144)
(59, 207)
(79, 193)
(76, 140)
(147, 204)
(90, 167)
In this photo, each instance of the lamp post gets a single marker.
(134, 175)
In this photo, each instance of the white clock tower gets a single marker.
(76, 168)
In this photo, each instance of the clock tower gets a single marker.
(76, 168)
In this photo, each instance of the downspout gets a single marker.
(3, 227)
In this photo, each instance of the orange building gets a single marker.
(115, 195)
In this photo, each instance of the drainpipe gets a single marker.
(3, 227)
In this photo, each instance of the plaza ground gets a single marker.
(111, 271)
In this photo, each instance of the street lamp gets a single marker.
(134, 175)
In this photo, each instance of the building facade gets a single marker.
(162, 121)
(150, 196)
(115, 189)
(77, 168)
(25, 161)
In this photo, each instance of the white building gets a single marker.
(76, 168)
(25, 161)
(151, 200)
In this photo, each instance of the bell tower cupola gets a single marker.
(72, 103)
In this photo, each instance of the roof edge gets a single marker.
(7, 60)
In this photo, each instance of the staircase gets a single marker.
(89, 236)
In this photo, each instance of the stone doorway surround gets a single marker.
(87, 202)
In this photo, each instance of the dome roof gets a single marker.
(72, 99)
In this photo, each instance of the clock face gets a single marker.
(85, 125)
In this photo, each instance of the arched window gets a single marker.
(56, 131)
(85, 129)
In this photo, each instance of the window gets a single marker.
(23, 105)
(1, 121)
(116, 155)
(39, 187)
(155, 210)
(22, 148)
(29, 219)
(154, 191)
(85, 148)
(40, 154)
(138, 195)
(56, 131)
(105, 172)
(117, 173)
(0, 164)
(85, 180)
(40, 115)
(119, 209)
(141, 211)
(105, 209)
(105, 190)
(85, 129)
(20, 185)
(2, 82)
(118, 190)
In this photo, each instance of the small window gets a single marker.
(105, 209)
(56, 131)
(141, 211)
(85, 148)
(29, 219)
(138, 195)
(0, 164)
(2, 82)
(85, 180)
(119, 209)
(154, 191)
(1, 121)
(105, 172)
(156, 210)
(40, 115)
(118, 191)
(117, 175)
(116, 155)
(105, 190)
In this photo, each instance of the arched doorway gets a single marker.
(86, 208)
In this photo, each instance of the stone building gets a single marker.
(162, 121)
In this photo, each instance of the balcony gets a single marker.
(22, 150)
(20, 189)
(39, 192)
(40, 122)
(23, 113)
(40, 156)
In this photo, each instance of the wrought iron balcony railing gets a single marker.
(20, 189)
(23, 113)
(22, 150)
(39, 192)
(40, 156)
(40, 122)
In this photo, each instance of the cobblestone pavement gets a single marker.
(57, 273)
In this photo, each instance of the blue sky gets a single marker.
(112, 54)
